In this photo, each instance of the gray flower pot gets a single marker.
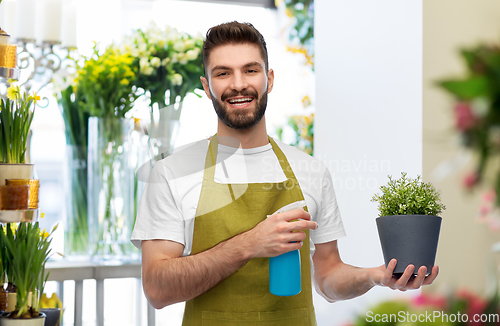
(53, 316)
(411, 239)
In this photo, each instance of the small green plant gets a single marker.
(27, 249)
(16, 115)
(406, 196)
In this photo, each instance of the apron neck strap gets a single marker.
(211, 159)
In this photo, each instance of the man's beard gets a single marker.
(240, 119)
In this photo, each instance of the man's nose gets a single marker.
(239, 82)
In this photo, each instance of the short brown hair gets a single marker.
(233, 33)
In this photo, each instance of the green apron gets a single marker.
(225, 210)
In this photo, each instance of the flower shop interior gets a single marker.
(370, 88)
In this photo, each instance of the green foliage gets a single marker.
(16, 115)
(27, 250)
(303, 11)
(477, 108)
(301, 28)
(303, 127)
(407, 196)
(76, 131)
(389, 310)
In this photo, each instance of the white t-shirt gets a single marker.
(168, 204)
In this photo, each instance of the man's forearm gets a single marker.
(346, 282)
(179, 279)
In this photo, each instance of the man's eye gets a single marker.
(221, 74)
(252, 71)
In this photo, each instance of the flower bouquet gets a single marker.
(104, 82)
(168, 66)
(168, 63)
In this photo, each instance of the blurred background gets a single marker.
(359, 85)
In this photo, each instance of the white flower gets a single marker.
(148, 71)
(176, 79)
(175, 57)
(61, 80)
(193, 54)
(480, 106)
(143, 62)
(179, 46)
(165, 62)
(188, 44)
(145, 67)
(183, 59)
(142, 47)
(156, 62)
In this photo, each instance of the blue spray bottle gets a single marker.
(284, 270)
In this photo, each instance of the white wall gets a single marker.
(368, 118)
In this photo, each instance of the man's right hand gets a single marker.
(277, 234)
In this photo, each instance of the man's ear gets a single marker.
(204, 82)
(270, 80)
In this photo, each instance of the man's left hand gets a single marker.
(383, 276)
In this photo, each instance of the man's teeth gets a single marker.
(240, 101)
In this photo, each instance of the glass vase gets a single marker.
(111, 188)
(162, 129)
(76, 233)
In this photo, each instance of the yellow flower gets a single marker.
(303, 133)
(44, 234)
(307, 120)
(124, 81)
(13, 92)
(13, 227)
(306, 101)
(43, 215)
(34, 97)
(52, 302)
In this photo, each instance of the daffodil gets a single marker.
(13, 228)
(306, 101)
(34, 97)
(13, 92)
(52, 302)
(44, 234)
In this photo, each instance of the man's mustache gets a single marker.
(227, 95)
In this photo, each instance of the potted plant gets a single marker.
(16, 115)
(27, 249)
(408, 224)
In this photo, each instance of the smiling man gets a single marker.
(207, 236)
